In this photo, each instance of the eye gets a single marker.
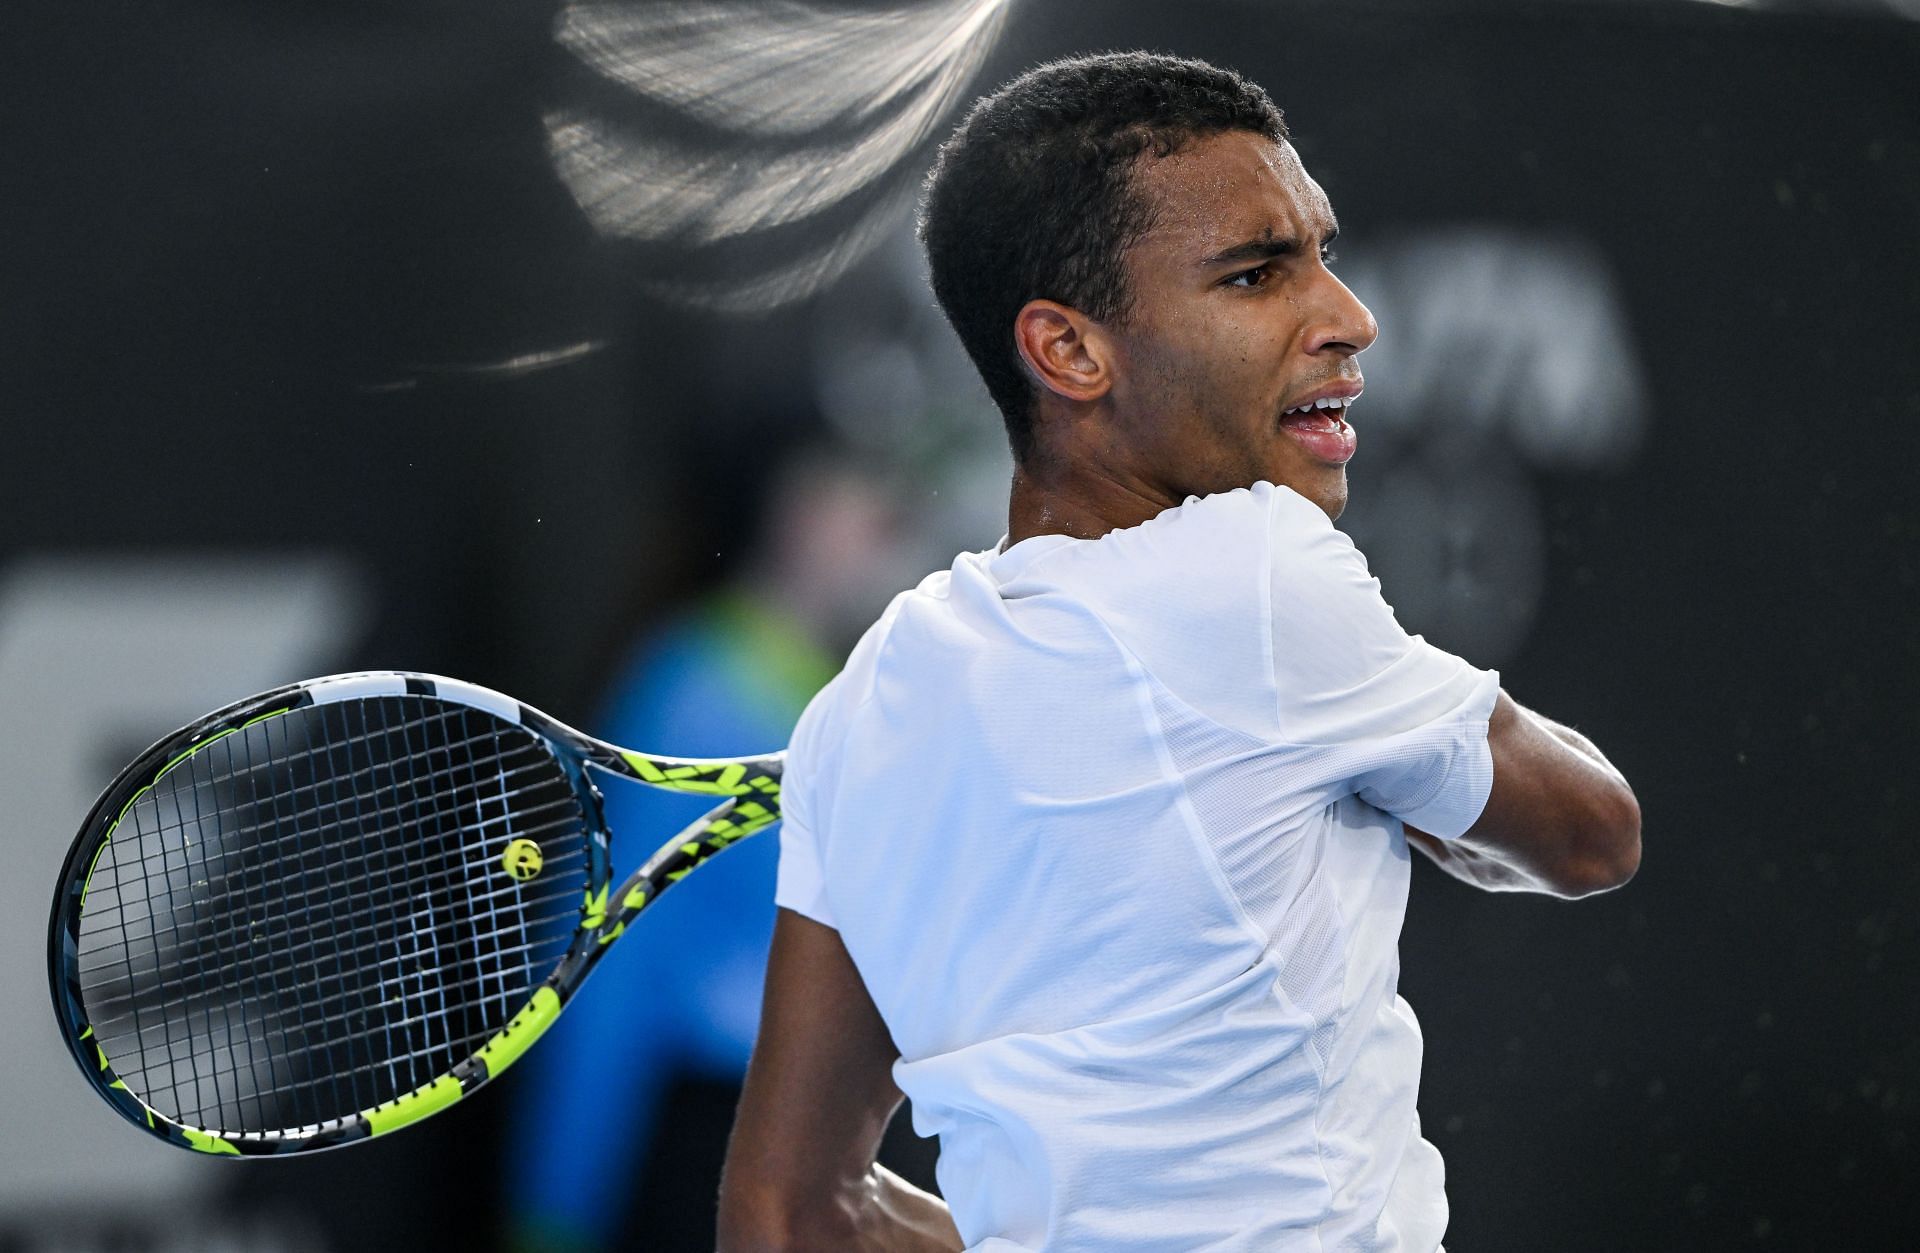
(1248, 278)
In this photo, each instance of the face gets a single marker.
(1236, 320)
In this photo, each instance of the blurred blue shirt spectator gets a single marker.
(680, 995)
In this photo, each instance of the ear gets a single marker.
(1066, 351)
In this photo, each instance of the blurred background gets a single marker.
(583, 351)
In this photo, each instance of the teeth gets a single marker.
(1325, 402)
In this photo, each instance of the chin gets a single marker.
(1325, 487)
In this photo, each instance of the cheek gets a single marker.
(1163, 376)
(1205, 377)
(1236, 349)
(1240, 381)
(1208, 358)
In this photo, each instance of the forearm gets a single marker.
(878, 1212)
(896, 1217)
(1560, 820)
(1578, 743)
(800, 1172)
(1471, 866)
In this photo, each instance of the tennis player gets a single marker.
(1098, 846)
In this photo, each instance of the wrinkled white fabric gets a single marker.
(1112, 831)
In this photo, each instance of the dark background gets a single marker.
(233, 234)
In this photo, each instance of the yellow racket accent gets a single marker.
(411, 1107)
(207, 1142)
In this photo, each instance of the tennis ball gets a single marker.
(522, 859)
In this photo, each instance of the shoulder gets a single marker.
(830, 708)
(1210, 534)
(1206, 540)
(1183, 595)
(1312, 561)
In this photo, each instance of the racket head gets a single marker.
(327, 911)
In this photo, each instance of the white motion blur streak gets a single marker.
(803, 273)
(780, 68)
(798, 107)
(645, 189)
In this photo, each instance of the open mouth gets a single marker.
(1320, 426)
(1336, 405)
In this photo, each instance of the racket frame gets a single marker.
(747, 788)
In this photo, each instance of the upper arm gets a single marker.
(819, 1093)
(1557, 811)
(1366, 708)
(1430, 739)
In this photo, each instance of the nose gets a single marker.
(1344, 325)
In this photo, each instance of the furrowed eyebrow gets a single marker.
(1253, 250)
(1266, 248)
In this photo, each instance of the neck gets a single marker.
(1044, 501)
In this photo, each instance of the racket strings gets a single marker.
(211, 887)
(212, 941)
(462, 1046)
(309, 916)
(221, 937)
(187, 962)
(192, 1002)
(294, 795)
(310, 1006)
(367, 957)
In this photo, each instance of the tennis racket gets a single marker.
(328, 911)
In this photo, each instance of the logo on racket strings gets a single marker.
(522, 859)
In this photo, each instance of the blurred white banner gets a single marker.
(99, 657)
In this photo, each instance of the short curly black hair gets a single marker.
(1033, 198)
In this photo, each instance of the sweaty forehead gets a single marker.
(1225, 189)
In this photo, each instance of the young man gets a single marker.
(1098, 847)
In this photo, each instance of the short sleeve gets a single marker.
(1374, 711)
(801, 881)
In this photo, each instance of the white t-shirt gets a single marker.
(1112, 831)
